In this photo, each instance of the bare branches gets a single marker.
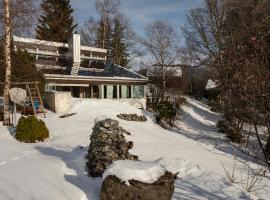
(161, 42)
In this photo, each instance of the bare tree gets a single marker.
(232, 38)
(7, 60)
(16, 17)
(203, 33)
(88, 32)
(162, 44)
(107, 10)
(23, 17)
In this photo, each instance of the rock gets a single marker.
(112, 189)
(132, 117)
(108, 144)
(67, 115)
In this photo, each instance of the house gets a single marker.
(72, 70)
(82, 71)
(178, 79)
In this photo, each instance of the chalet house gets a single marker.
(82, 71)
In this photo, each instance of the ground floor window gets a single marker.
(138, 91)
(95, 90)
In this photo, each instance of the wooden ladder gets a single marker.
(35, 98)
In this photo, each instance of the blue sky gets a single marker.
(141, 12)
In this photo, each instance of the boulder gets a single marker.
(114, 189)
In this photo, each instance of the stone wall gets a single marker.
(132, 117)
(108, 144)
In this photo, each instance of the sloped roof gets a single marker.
(110, 71)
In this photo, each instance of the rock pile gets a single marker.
(113, 188)
(108, 144)
(132, 117)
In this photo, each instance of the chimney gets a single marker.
(74, 49)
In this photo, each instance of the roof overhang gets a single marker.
(59, 77)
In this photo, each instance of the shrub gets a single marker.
(180, 101)
(30, 129)
(232, 131)
(166, 111)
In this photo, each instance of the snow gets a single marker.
(55, 169)
(211, 84)
(101, 118)
(144, 171)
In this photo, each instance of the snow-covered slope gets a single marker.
(55, 169)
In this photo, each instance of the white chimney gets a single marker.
(74, 49)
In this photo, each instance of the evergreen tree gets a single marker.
(56, 23)
(119, 46)
(23, 68)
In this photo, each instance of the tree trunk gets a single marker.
(6, 120)
(163, 83)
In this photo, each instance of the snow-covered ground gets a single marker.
(55, 169)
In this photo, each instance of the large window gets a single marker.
(138, 91)
(108, 91)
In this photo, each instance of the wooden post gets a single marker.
(7, 50)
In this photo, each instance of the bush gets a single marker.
(166, 111)
(232, 131)
(180, 101)
(30, 129)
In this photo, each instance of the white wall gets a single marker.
(58, 101)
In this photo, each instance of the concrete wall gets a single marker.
(58, 101)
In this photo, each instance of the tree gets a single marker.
(104, 35)
(162, 44)
(23, 14)
(7, 61)
(88, 32)
(56, 22)
(119, 47)
(16, 17)
(107, 9)
(232, 38)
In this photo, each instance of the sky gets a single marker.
(141, 12)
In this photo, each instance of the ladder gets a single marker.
(35, 97)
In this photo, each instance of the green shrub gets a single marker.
(166, 111)
(30, 129)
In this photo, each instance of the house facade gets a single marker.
(82, 71)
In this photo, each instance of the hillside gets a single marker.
(55, 169)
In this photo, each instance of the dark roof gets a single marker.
(110, 70)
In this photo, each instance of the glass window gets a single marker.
(109, 91)
(138, 91)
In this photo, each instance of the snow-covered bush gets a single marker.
(30, 129)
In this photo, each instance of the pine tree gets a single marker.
(119, 46)
(56, 23)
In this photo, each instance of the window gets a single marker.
(138, 91)
(105, 91)
(115, 91)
